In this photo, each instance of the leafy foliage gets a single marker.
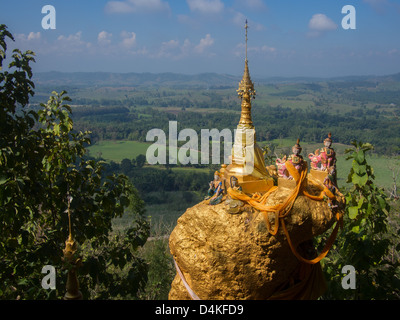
(161, 266)
(364, 242)
(42, 162)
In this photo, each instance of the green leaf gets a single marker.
(23, 282)
(367, 146)
(359, 180)
(382, 202)
(359, 168)
(356, 166)
(353, 212)
(57, 129)
(356, 229)
(360, 157)
(3, 180)
(360, 202)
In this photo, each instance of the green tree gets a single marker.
(42, 163)
(365, 238)
(126, 166)
(140, 160)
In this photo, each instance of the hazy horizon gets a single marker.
(224, 74)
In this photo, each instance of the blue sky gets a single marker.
(286, 37)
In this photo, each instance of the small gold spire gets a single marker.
(246, 27)
(71, 247)
(246, 92)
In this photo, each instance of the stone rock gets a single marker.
(233, 256)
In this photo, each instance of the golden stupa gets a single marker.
(247, 159)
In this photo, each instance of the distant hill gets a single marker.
(203, 80)
(135, 79)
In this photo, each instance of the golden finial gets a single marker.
(246, 27)
(70, 250)
(246, 91)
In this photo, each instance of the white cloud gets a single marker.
(206, 42)
(129, 39)
(32, 36)
(31, 41)
(175, 49)
(75, 45)
(135, 6)
(71, 38)
(206, 6)
(72, 43)
(319, 24)
(103, 38)
(170, 44)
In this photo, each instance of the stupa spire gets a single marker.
(246, 92)
(248, 164)
(246, 27)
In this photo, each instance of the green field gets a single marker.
(118, 150)
(380, 164)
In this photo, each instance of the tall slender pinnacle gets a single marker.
(246, 27)
(246, 91)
